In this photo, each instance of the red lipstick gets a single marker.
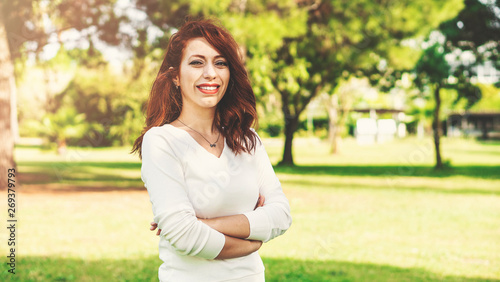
(208, 88)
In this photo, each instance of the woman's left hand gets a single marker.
(154, 225)
(260, 201)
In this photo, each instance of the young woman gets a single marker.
(205, 169)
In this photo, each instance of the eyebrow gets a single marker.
(203, 57)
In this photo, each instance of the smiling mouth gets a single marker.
(208, 89)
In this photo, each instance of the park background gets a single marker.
(419, 203)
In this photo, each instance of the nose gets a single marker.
(209, 72)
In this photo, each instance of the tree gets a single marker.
(476, 30)
(44, 22)
(433, 71)
(342, 39)
(6, 78)
(112, 109)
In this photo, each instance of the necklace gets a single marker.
(211, 144)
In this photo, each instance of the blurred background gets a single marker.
(382, 119)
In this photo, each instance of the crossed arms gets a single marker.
(235, 229)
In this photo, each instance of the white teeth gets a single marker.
(210, 88)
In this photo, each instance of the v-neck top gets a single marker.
(185, 181)
(196, 144)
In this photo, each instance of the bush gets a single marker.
(110, 104)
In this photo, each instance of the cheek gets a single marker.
(226, 76)
(189, 77)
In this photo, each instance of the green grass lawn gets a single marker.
(372, 213)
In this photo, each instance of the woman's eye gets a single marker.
(221, 63)
(194, 63)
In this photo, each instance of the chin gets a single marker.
(209, 102)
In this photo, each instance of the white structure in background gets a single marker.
(366, 131)
(371, 130)
(401, 125)
(401, 130)
(386, 130)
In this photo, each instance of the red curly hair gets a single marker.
(235, 113)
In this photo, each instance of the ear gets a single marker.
(175, 79)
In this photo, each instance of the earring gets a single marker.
(177, 87)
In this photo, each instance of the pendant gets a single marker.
(213, 145)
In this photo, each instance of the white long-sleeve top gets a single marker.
(185, 181)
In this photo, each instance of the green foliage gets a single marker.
(40, 22)
(111, 104)
(432, 68)
(466, 90)
(89, 57)
(476, 28)
(490, 100)
(270, 123)
(65, 123)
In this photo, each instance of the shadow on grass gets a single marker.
(490, 142)
(62, 164)
(96, 175)
(487, 172)
(33, 268)
(69, 172)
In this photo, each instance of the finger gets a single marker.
(257, 204)
(158, 232)
(262, 199)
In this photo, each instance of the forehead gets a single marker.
(199, 46)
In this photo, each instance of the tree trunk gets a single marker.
(338, 106)
(337, 129)
(61, 146)
(6, 76)
(436, 127)
(333, 135)
(291, 124)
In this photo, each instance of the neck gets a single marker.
(201, 121)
